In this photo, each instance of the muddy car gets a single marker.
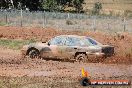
(79, 48)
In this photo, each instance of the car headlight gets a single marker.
(97, 53)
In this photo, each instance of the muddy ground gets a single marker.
(42, 73)
(121, 41)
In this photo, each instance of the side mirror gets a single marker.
(43, 42)
(48, 43)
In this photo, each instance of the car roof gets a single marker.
(77, 36)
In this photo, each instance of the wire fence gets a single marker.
(65, 21)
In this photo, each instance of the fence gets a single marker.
(65, 21)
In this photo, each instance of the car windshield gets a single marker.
(57, 40)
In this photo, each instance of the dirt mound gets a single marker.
(121, 41)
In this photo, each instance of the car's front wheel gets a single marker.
(81, 57)
(34, 53)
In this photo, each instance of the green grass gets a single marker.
(2, 24)
(14, 44)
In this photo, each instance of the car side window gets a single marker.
(72, 41)
(57, 41)
(93, 42)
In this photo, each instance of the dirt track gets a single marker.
(12, 65)
(121, 41)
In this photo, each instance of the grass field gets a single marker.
(14, 44)
(119, 7)
(111, 4)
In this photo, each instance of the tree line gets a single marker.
(49, 5)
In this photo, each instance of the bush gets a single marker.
(69, 22)
(97, 8)
(2, 23)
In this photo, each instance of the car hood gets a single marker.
(38, 45)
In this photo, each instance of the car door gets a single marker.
(56, 46)
(71, 46)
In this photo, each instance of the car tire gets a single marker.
(81, 58)
(34, 53)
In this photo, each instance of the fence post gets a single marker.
(6, 18)
(108, 26)
(68, 16)
(21, 24)
(124, 24)
(44, 19)
(94, 23)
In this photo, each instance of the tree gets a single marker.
(63, 4)
(97, 8)
(34, 5)
(58, 5)
(50, 5)
(9, 3)
(5, 3)
(78, 5)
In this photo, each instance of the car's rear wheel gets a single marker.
(34, 53)
(81, 57)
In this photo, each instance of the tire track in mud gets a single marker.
(11, 64)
